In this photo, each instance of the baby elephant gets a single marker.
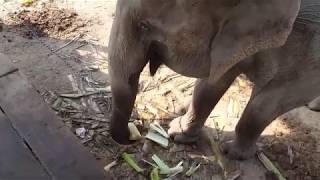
(275, 43)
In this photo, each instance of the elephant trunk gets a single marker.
(126, 61)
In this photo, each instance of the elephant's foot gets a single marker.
(121, 136)
(234, 150)
(315, 105)
(184, 131)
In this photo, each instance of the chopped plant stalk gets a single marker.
(151, 164)
(180, 163)
(233, 175)
(218, 129)
(218, 154)
(74, 83)
(269, 165)
(134, 132)
(27, 2)
(156, 127)
(212, 158)
(206, 158)
(129, 159)
(159, 162)
(173, 171)
(109, 166)
(165, 169)
(155, 174)
(220, 159)
(176, 173)
(194, 167)
(158, 139)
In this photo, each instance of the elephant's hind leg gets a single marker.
(264, 106)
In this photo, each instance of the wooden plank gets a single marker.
(56, 147)
(6, 66)
(16, 160)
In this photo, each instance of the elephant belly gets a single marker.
(196, 67)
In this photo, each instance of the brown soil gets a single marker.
(52, 22)
(305, 162)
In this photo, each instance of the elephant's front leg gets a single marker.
(124, 91)
(186, 129)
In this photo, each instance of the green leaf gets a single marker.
(129, 159)
(155, 137)
(155, 174)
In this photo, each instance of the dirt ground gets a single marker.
(61, 47)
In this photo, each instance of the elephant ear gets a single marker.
(249, 27)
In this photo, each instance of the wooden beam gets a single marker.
(16, 160)
(5, 66)
(54, 144)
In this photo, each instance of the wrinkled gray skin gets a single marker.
(315, 105)
(215, 41)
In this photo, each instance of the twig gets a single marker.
(170, 77)
(215, 148)
(88, 117)
(106, 89)
(290, 154)
(269, 165)
(156, 108)
(76, 96)
(185, 85)
(67, 44)
(73, 104)
(194, 167)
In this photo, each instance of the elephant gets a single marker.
(315, 105)
(275, 43)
